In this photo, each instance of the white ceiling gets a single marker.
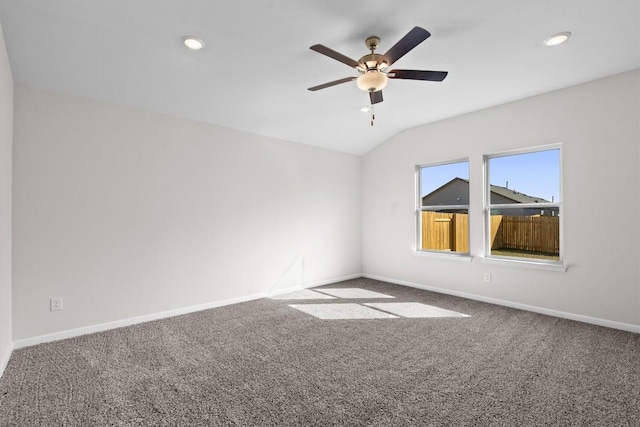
(254, 70)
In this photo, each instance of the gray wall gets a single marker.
(126, 213)
(6, 143)
(598, 124)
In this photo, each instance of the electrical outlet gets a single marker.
(56, 303)
(487, 277)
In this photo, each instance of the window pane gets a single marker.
(445, 184)
(445, 231)
(444, 195)
(518, 234)
(525, 178)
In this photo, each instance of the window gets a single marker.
(443, 213)
(523, 201)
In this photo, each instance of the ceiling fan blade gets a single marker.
(333, 83)
(434, 76)
(375, 97)
(412, 39)
(335, 55)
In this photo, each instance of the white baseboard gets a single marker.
(70, 333)
(564, 315)
(334, 280)
(314, 284)
(4, 359)
(277, 292)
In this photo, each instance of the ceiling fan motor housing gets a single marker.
(371, 78)
(370, 62)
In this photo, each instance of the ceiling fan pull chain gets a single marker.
(373, 115)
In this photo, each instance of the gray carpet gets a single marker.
(263, 363)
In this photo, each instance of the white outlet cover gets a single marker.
(56, 303)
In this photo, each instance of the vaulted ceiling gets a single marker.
(256, 66)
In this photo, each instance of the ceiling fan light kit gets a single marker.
(373, 66)
(372, 81)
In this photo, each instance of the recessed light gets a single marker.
(192, 42)
(365, 109)
(556, 39)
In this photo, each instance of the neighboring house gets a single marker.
(456, 192)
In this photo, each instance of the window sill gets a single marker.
(526, 264)
(443, 255)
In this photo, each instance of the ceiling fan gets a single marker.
(373, 66)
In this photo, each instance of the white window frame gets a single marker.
(488, 207)
(419, 208)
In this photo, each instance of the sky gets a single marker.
(534, 174)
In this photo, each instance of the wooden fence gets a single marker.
(526, 233)
(449, 232)
(445, 231)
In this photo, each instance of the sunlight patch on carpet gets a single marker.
(414, 309)
(352, 293)
(303, 294)
(342, 311)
